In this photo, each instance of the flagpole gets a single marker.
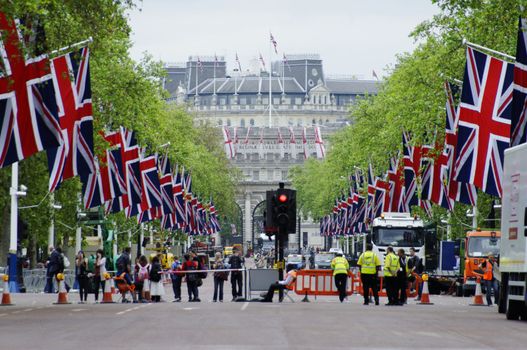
(270, 73)
(197, 78)
(476, 46)
(214, 81)
(283, 75)
(13, 238)
(65, 48)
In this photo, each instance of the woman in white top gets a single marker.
(100, 270)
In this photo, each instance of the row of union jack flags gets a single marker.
(232, 143)
(490, 117)
(46, 104)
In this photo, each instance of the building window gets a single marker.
(242, 123)
(327, 121)
(243, 101)
(298, 101)
(270, 174)
(252, 122)
(320, 121)
(284, 175)
(265, 101)
(220, 122)
(222, 101)
(256, 175)
(276, 100)
(314, 121)
(228, 122)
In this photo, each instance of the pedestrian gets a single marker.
(416, 267)
(52, 268)
(391, 266)
(63, 263)
(288, 282)
(369, 267)
(142, 279)
(402, 277)
(192, 278)
(156, 280)
(340, 267)
(176, 277)
(236, 262)
(124, 269)
(219, 277)
(489, 280)
(100, 270)
(82, 276)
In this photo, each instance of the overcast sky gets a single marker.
(351, 36)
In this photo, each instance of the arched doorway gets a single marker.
(258, 222)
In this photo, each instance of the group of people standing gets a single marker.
(399, 273)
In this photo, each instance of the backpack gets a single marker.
(154, 273)
(191, 277)
(142, 274)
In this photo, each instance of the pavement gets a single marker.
(35, 323)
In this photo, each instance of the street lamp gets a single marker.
(15, 191)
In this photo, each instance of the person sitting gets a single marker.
(288, 282)
(123, 273)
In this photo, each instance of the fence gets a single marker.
(320, 282)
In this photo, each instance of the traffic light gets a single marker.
(281, 210)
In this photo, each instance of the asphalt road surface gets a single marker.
(34, 323)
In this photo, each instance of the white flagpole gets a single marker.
(197, 64)
(270, 73)
(283, 75)
(214, 80)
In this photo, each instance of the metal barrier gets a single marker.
(261, 279)
(320, 282)
(35, 280)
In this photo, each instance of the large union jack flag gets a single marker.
(519, 97)
(382, 197)
(28, 109)
(396, 181)
(434, 178)
(71, 75)
(484, 121)
(150, 187)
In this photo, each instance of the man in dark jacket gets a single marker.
(53, 266)
(236, 262)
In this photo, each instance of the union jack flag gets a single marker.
(92, 188)
(434, 179)
(150, 187)
(519, 96)
(281, 143)
(458, 191)
(215, 224)
(29, 119)
(412, 170)
(382, 197)
(238, 63)
(371, 194)
(166, 183)
(262, 62)
(179, 215)
(304, 144)
(484, 121)
(396, 178)
(273, 41)
(292, 143)
(74, 157)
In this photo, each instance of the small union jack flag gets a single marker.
(519, 96)
(273, 41)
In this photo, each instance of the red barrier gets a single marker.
(319, 282)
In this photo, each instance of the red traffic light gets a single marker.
(282, 198)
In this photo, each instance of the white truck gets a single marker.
(399, 230)
(513, 249)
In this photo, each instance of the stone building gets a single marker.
(302, 98)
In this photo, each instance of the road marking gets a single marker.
(245, 306)
(2, 315)
(26, 310)
(429, 334)
(131, 309)
(77, 310)
(16, 312)
(190, 308)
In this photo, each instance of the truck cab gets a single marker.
(478, 245)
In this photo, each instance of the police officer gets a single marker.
(369, 265)
(391, 266)
(340, 267)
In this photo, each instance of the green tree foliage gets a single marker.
(124, 93)
(411, 98)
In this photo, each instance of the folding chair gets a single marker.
(123, 286)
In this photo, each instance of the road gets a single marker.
(34, 323)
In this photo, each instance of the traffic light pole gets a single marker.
(281, 239)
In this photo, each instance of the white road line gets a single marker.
(77, 310)
(429, 334)
(245, 306)
(2, 315)
(16, 312)
(189, 308)
(120, 312)
(26, 310)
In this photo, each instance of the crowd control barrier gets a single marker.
(382, 291)
(261, 279)
(320, 282)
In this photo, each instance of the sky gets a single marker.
(353, 37)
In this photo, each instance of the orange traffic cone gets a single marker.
(478, 296)
(107, 294)
(425, 295)
(63, 293)
(6, 296)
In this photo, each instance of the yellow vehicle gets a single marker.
(227, 251)
(165, 259)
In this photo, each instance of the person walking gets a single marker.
(142, 279)
(416, 267)
(340, 267)
(402, 277)
(100, 270)
(82, 276)
(391, 266)
(52, 268)
(156, 280)
(236, 262)
(219, 277)
(175, 276)
(369, 266)
(192, 278)
(489, 280)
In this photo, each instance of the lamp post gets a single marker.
(13, 239)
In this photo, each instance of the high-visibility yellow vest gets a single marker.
(368, 262)
(391, 265)
(339, 265)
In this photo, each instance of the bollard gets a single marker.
(425, 296)
(478, 296)
(107, 293)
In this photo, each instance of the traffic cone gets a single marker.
(425, 295)
(6, 296)
(478, 296)
(63, 293)
(107, 294)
